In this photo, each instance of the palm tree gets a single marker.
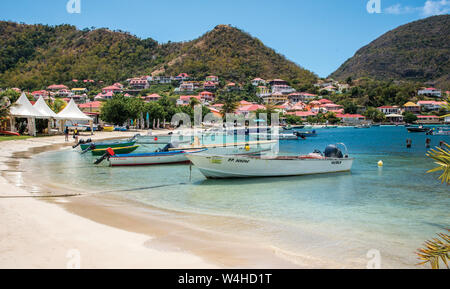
(437, 250)
(230, 104)
(5, 105)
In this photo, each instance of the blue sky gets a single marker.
(316, 34)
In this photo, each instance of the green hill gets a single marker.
(418, 51)
(35, 56)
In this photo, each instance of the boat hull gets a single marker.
(107, 145)
(119, 150)
(219, 167)
(176, 157)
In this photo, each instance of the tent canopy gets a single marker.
(24, 108)
(72, 112)
(43, 108)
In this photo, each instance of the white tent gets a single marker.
(72, 112)
(24, 109)
(43, 108)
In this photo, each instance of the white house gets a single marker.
(389, 109)
(431, 91)
(282, 88)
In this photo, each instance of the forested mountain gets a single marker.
(418, 51)
(34, 56)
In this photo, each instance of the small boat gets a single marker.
(147, 159)
(118, 150)
(293, 127)
(418, 129)
(9, 133)
(108, 128)
(443, 131)
(306, 134)
(105, 145)
(250, 166)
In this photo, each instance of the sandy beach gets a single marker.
(86, 231)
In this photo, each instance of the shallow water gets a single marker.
(333, 219)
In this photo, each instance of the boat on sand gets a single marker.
(250, 166)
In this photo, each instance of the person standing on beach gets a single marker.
(75, 135)
(66, 133)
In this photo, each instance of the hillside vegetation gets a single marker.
(418, 51)
(35, 56)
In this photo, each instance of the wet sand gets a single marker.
(107, 232)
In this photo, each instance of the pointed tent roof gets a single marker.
(43, 108)
(72, 112)
(24, 108)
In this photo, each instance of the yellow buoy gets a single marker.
(380, 163)
(247, 148)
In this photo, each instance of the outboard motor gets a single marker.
(109, 153)
(80, 142)
(90, 148)
(171, 145)
(333, 151)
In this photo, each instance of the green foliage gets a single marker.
(409, 117)
(417, 51)
(375, 115)
(293, 119)
(115, 111)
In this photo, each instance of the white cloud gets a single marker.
(430, 8)
(436, 7)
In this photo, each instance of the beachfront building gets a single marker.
(258, 82)
(430, 91)
(331, 107)
(389, 109)
(303, 114)
(428, 119)
(394, 118)
(275, 98)
(245, 110)
(91, 107)
(351, 119)
(411, 107)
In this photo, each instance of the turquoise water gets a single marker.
(333, 219)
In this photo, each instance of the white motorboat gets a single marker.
(147, 159)
(241, 166)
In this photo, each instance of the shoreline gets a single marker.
(128, 223)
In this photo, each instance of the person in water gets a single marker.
(409, 143)
(428, 143)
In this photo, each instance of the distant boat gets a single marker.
(306, 134)
(237, 166)
(363, 126)
(418, 129)
(282, 136)
(293, 127)
(147, 159)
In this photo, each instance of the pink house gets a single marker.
(207, 96)
(185, 99)
(111, 89)
(151, 98)
(57, 87)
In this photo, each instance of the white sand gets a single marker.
(38, 234)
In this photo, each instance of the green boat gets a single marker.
(105, 145)
(117, 150)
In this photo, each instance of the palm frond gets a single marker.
(442, 159)
(435, 251)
